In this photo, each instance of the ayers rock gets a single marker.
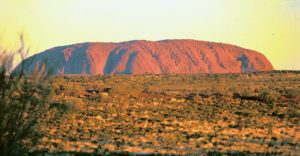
(140, 57)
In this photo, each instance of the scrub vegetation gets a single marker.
(247, 113)
(22, 101)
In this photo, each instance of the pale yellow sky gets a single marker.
(268, 26)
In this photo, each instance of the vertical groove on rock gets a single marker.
(113, 60)
(215, 53)
(128, 68)
(206, 61)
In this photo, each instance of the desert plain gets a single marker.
(237, 114)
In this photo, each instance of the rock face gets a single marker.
(140, 57)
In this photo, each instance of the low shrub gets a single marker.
(73, 104)
(269, 96)
(22, 101)
(292, 93)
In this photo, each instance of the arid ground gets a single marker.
(254, 113)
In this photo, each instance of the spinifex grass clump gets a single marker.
(22, 101)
